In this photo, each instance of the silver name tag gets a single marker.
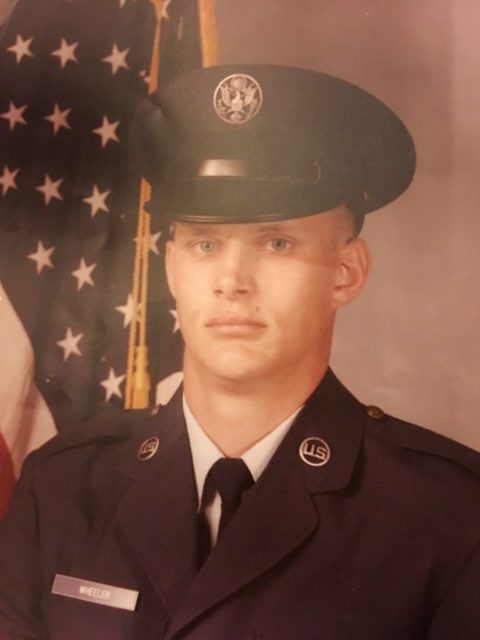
(95, 592)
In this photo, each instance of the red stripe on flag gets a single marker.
(7, 477)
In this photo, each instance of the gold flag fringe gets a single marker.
(208, 32)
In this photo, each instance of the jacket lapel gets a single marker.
(278, 513)
(158, 515)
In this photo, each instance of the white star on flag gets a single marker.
(154, 238)
(153, 242)
(7, 180)
(42, 257)
(58, 119)
(14, 115)
(112, 385)
(21, 48)
(117, 59)
(107, 131)
(97, 201)
(176, 326)
(84, 274)
(66, 52)
(50, 189)
(70, 344)
(165, 4)
(145, 77)
(127, 310)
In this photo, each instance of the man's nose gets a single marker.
(234, 277)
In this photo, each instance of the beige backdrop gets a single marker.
(411, 344)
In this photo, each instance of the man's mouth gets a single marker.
(235, 325)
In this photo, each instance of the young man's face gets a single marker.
(255, 301)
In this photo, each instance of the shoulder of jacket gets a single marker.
(410, 436)
(111, 425)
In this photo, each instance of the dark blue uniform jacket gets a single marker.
(380, 543)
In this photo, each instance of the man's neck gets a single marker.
(236, 416)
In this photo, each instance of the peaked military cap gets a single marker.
(252, 143)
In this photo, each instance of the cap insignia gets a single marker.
(238, 98)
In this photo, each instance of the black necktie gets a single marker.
(231, 478)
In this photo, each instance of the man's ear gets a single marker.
(354, 261)
(169, 250)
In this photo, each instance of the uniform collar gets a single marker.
(331, 413)
(205, 452)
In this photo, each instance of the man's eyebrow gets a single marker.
(198, 229)
(273, 228)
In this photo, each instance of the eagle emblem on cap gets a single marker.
(237, 98)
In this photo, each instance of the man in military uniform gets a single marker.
(264, 501)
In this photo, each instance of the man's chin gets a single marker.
(236, 374)
(234, 370)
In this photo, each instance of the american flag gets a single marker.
(71, 75)
(25, 421)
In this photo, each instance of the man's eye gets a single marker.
(278, 244)
(206, 246)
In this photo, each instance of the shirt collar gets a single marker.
(205, 452)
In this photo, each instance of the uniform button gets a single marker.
(375, 412)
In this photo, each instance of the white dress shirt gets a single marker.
(205, 453)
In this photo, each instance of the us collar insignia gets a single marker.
(148, 449)
(315, 451)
